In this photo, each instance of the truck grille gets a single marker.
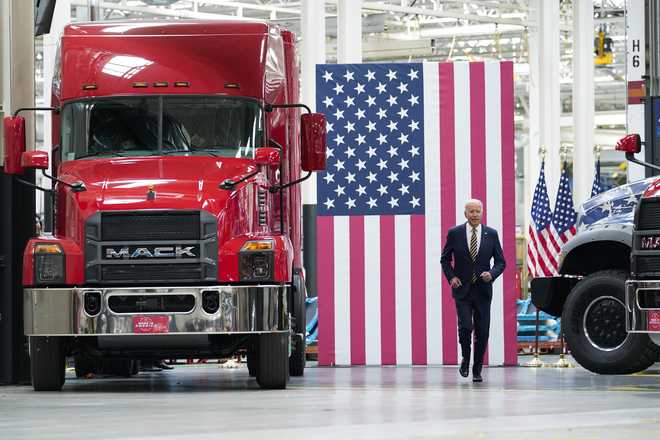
(162, 226)
(647, 264)
(151, 303)
(148, 272)
(648, 216)
(152, 247)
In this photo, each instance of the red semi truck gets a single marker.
(179, 149)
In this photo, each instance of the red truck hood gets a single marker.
(178, 182)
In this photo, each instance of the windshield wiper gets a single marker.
(102, 153)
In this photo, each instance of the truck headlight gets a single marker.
(49, 264)
(256, 260)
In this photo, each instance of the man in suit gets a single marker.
(465, 260)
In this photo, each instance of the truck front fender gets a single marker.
(599, 248)
(604, 247)
(617, 233)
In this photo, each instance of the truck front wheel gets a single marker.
(298, 356)
(273, 361)
(594, 324)
(47, 363)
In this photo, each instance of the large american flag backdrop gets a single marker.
(408, 144)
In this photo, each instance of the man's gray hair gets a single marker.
(474, 202)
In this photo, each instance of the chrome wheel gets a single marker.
(604, 323)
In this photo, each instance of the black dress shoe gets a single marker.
(476, 374)
(464, 369)
(164, 366)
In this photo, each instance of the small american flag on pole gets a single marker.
(408, 144)
(541, 255)
(597, 186)
(564, 218)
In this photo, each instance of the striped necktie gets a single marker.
(473, 251)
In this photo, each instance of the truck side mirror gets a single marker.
(629, 144)
(14, 134)
(35, 160)
(268, 156)
(313, 128)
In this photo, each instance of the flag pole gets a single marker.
(562, 362)
(536, 362)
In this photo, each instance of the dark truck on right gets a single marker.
(607, 291)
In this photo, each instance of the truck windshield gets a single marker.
(161, 125)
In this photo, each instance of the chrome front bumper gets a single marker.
(639, 319)
(244, 309)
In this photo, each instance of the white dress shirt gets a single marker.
(468, 234)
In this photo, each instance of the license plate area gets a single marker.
(653, 323)
(148, 324)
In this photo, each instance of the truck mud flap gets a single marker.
(550, 293)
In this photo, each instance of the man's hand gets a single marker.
(455, 283)
(486, 276)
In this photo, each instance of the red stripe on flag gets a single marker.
(325, 244)
(539, 244)
(448, 198)
(531, 262)
(508, 213)
(546, 239)
(552, 238)
(356, 249)
(387, 293)
(418, 288)
(478, 140)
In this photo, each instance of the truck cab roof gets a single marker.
(162, 27)
(203, 57)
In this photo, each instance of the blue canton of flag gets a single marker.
(597, 187)
(541, 212)
(375, 158)
(564, 217)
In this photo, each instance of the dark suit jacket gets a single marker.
(456, 261)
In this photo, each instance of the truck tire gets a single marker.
(252, 357)
(47, 363)
(593, 321)
(297, 360)
(273, 361)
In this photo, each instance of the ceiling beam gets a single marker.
(373, 6)
(253, 6)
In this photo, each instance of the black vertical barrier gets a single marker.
(17, 207)
(309, 248)
(47, 221)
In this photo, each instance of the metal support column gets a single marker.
(17, 212)
(544, 102)
(635, 72)
(313, 53)
(583, 99)
(349, 31)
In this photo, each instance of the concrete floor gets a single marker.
(210, 402)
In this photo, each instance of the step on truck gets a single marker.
(179, 149)
(607, 291)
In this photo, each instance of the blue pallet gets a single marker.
(549, 326)
(533, 339)
(312, 321)
(542, 328)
